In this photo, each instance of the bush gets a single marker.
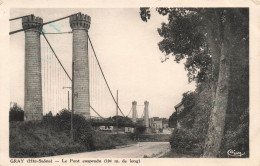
(51, 137)
(139, 129)
(185, 142)
(237, 139)
(82, 130)
(189, 139)
(194, 126)
(173, 120)
(34, 139)
(16, 113)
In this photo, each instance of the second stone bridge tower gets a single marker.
(80, 24)
(33, 75)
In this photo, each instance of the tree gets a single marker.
(173, 120)
(186, 117)
(139, 129)
(16, 113)
(122, 121)
(49, 114)
(208, 40)
(188, 100)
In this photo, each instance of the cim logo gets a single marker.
(234, 153)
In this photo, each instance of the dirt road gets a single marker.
(139, 150)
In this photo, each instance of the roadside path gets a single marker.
(139, 150)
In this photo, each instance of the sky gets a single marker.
(128, 53)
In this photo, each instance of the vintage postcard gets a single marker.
(130, 83)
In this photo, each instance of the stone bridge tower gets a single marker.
(146, 114)
(134, 112)
(80, 24)
(32, 81)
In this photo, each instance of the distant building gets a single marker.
(179, 108)
(129, 130)
(106, 128)
(156, 123)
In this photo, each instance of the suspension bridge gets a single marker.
(49, 87)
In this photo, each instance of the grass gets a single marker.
(34, 140)
(154, 137)
(38, 139)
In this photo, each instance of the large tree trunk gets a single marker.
(214, 42)
(218, 114)
(215, 51)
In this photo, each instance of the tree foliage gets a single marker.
(122, 121)
(189, 101)
(173, 120)
(49, 114)
(16, 113)
(114, 121)
(186, 117)
(215, 43)
(196, 34)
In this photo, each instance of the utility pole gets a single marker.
(117, 110)
(72, 104)
(68, 96)
(68, 100)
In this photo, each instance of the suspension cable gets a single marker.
(43, 77)
(96, 111)
(54, 33)
(47, 78)
(130, 111)
(19, 17)
(56, 56)
(104, 76)
(65, 69)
